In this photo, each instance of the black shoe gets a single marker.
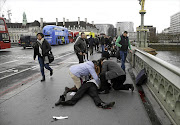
(107, 105)
(51, 72)
(104, 92)
(67, 89)
(61, 99)
(132, 88)
(43, 79)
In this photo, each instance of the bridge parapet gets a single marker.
(163, 81)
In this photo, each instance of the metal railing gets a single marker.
(163, 81)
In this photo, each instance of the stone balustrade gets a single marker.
(163, 81)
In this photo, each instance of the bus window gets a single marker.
(4, 37)
(1, 22)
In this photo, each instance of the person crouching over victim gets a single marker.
(78, 71)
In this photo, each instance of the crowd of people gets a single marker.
(97, 76)
(90, 77)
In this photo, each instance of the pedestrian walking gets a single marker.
(91, 44)
(102, 41)
(123, 43)
(80, 47)
(42, 49)
(96, 43)
(112, 71)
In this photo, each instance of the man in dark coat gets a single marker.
(102, 41)
(80, 47)
(97, 43)
(91, 44)
(112, 71)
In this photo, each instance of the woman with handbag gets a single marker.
(42, 49)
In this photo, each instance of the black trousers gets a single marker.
(97, 47)
(87, 88)
(104, 83)
(118, 83)
(91, 50)
(80, 57)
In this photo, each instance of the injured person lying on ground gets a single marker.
(88, 87)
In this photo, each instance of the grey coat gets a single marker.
(112, 69)
(80, 45)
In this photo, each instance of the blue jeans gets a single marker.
(102, 48)
(123, 55)
(42, 65)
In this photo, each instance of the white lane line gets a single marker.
(68, 62)
(34, 67)
(15, 73)
(9, 62)
(8, 70)
(64, 55)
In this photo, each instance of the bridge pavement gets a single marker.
(33, 103)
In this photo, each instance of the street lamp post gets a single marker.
(142, 31)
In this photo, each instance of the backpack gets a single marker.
(141, 78)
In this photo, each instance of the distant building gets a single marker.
(16, 30)
(107, 29)
(151, 34)
(124, 26)
(132, 36)
(166, 30)
(175, 23)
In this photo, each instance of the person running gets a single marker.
(42, 49)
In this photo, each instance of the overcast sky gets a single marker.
(100, 11)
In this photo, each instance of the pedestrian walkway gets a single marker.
(33, 103)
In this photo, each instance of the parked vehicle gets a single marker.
(27, 41)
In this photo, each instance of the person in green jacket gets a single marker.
(123, 43)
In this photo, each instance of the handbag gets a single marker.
(50, 57)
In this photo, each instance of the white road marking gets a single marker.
(33, 67)
(64, 55)
(69, 62)
(15, 73)
(9, 62)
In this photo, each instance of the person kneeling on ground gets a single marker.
(77, 72)
(112, 71)
(106, 53)
(91, 88)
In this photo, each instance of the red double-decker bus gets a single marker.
(5, 41)
(71, 37)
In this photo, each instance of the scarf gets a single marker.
(41, 42)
